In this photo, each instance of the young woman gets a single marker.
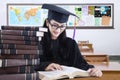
(57, 48)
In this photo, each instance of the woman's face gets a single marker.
(55, 28)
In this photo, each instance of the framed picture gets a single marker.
(91, 16)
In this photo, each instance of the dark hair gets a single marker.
(46, 40)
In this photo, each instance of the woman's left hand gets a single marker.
(95, 72)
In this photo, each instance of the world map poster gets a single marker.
(26, 15)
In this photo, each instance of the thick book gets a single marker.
(66, 72)
(19, 42)
(21, 33)
(23, 47)
(20, 38)
(24, 76)
(17, 70)
(16, 51)
(20, 56)
(18, 62)
(26, 28)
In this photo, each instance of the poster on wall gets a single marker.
(92, 16)
(25, 15)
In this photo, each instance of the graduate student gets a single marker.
(57, 48)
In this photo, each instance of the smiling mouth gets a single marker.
(56, 33)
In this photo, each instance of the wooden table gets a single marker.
(85, 47)
(110, 72)
(98, 58)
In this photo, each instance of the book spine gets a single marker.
(22, 33)
(15, 51)
(20, 38)
(19, 42)
(17, 69)
(24, 56)
(24, 28)
(18, 62)
(23, 47)
(24, 76)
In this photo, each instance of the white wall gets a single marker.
(104, 40)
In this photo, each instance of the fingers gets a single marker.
(95, 72)
(57, 67)
(53, 66)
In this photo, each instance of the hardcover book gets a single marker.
(16, 51)
(18, 62)
(20, 38)
(17, 70)
(67, 72)
(24, 76)
(29, 28)
(23, 47)
(22, 33)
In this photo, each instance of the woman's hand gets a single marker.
(53, 66)
(95, 72)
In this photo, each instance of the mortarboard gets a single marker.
(57, 13)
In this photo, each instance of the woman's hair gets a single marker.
(46, 40)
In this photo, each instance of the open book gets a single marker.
(67, 72)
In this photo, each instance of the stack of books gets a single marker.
(20, 48)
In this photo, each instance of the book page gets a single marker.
(75, 72)
(71, 69)
(57, 74)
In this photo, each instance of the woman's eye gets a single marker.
(55, 25)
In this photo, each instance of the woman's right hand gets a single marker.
(53, 66)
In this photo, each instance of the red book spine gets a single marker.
(24, 76)
(21, 56)
(18, 62)
(20, 28)
(23, 47)
(17, 70)
(21, 33)
(18, 42)
(25, 28)
(15, 51)
(20, 38)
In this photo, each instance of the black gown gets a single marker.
(67, 54)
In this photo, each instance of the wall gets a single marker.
(104, 40)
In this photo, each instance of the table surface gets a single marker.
(110, 72)
(88, 53)
(112, 66)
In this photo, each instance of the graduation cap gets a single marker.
(57, 13)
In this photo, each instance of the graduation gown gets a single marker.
(64, 54)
